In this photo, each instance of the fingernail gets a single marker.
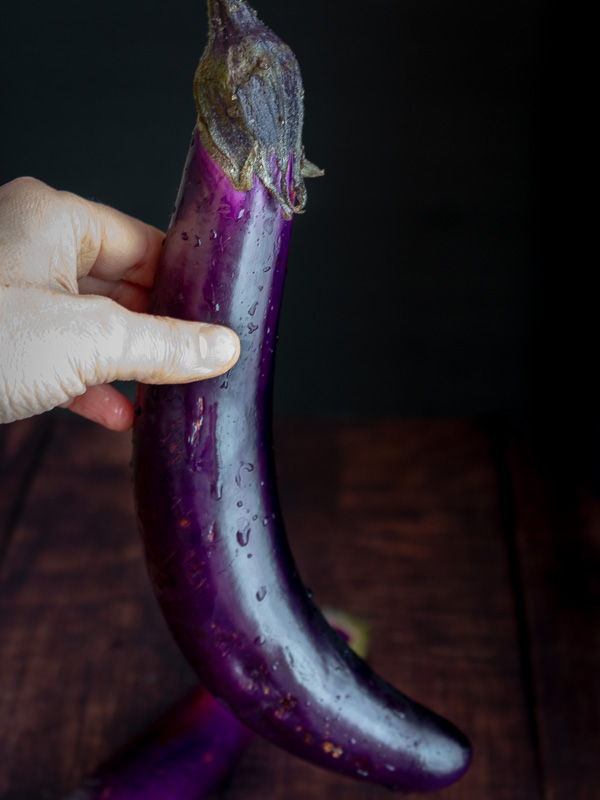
(218, 346)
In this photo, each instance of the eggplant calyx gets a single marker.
(248, 92)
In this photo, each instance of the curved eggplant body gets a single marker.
(212, 526)
(186, 753)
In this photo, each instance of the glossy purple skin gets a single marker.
(210, 519)
(185, 755)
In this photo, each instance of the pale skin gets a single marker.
(74, 286)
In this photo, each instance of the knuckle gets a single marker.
(25, 205)
(23, 191)
(165, 346)
(24, 184)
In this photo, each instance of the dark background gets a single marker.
(414, 280)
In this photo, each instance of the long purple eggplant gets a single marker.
(204, 471)
(186, 753)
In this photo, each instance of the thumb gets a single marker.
(151, 349)
(56, 345)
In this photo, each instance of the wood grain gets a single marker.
(558, 537)
(397, 521)
(86, 658)
(21, 446)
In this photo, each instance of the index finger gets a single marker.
(112, 245)
(50, 234)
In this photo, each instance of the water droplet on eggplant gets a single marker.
(244, 466)
(261, 594)
(209, 294)
(243, 537)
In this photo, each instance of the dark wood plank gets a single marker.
(86, 660)
(21, 446)
(558, 539)
(396, 521)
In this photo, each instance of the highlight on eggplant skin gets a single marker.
(205, 488)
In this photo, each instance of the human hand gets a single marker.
(74, 283)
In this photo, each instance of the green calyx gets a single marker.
(249, 95)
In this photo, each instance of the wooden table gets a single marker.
(476, 561)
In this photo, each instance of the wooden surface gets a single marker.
(475, 560)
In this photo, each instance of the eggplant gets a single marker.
(203, 463)
(187, 752)
(184, 755)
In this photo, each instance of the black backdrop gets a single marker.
(412, 285)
